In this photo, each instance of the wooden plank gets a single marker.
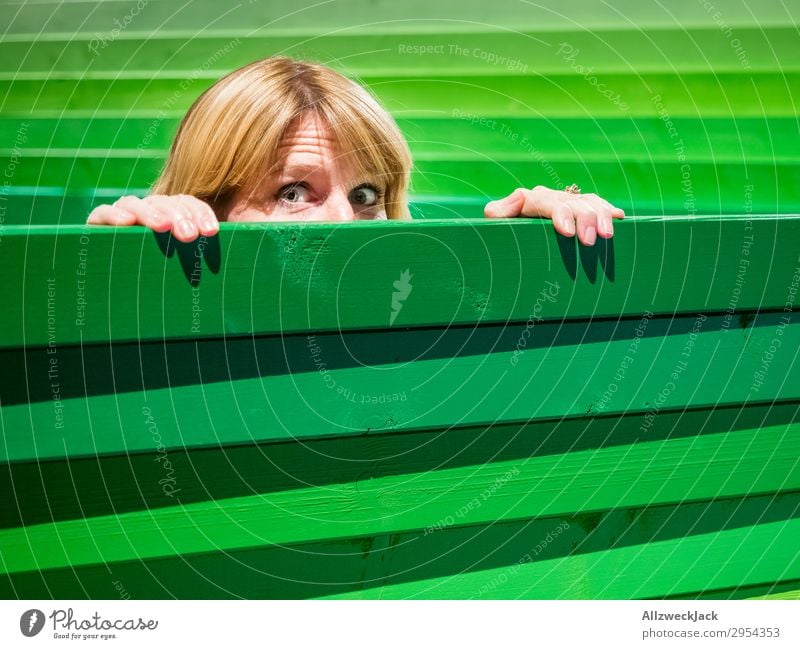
(348, 565)
(472, 49)
(723, 464)
(784, 589)
(82, 402)
(715, 186)
(727, 140)
(700, 94)
(74, 487)
(308, 17)
(99, 284)
(684, 564)
(787, 595)
(60, 206)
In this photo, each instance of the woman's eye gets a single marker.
(294, 193)
(364, 196)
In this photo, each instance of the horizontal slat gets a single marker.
(52, 206)
(652, 571)
(57, 206)
(702, 187)
(715, 188)
(666, 471)
(710, 94)
(721, 139)
(81, 402)
(282, 278)
(394, 559)
(784, 589)
(478, 50)
(75, 487)
(311, 17)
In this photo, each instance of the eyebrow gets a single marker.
(306, 170)
(300, 169)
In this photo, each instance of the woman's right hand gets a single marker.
(186, 216)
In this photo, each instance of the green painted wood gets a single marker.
(394, 559)
(304, 17)
(565, 95)
(283, 278)
(439, 50)
(780, 590)
(298, 388)
(789, 595)
(66, 489)
(166, 429)
(757, 139)
(475, 95)
(633, 475)
(52, 206)
(683, 565)
(473, 423)
(695, 188)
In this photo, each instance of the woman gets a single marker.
(284, 140)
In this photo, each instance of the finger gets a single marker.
(606, 213)
(548, 203)
(616, 212)
(146, 213)
(111, 215)
(506, 207)
(184, 227)
(202, 214)
(605, 225)
(586, 220)
(564, 220)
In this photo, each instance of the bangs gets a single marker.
(370, 141)
(231, 137)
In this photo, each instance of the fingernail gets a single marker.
(605, 226)
(496, 208)
(185, 228)
(591, 236)
(209, 224)
(569, 225)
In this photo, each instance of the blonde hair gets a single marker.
(230, 137)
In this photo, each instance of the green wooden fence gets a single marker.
(450, 407)
(412, 409)
(671, 108)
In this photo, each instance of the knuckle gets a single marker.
(187, 199)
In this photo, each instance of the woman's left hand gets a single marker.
(589, 214)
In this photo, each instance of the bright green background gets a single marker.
(91, 113)
(378, 486)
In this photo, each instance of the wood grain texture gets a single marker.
(588, 422)
(487, 559)
(288, 278)
(594, 480)
(248, 391)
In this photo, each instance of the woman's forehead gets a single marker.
(310, 147)
(310, 134)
